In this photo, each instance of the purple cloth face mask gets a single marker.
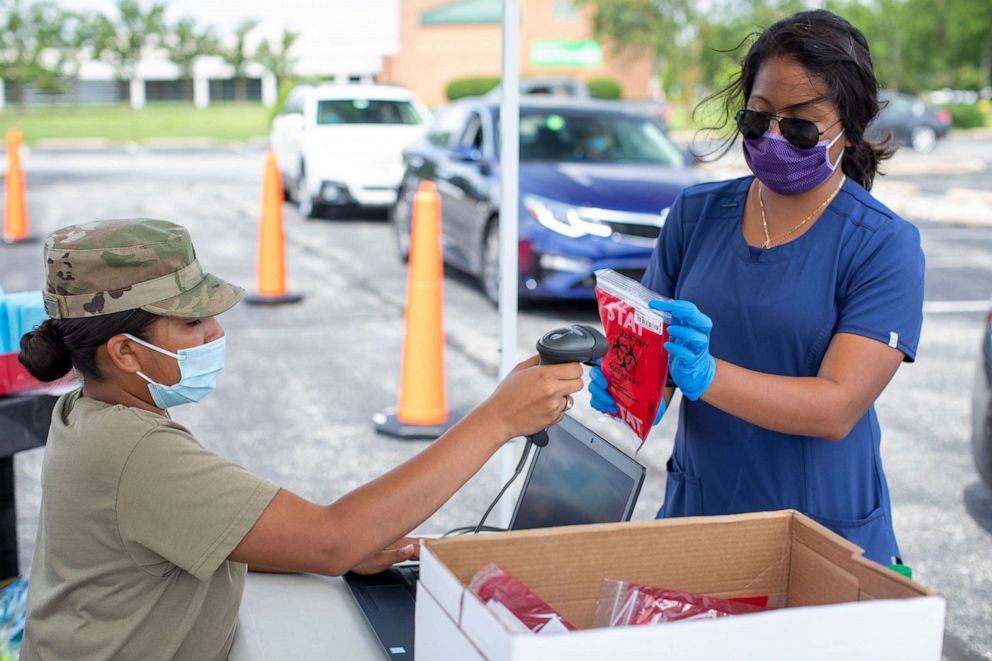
(787, 169)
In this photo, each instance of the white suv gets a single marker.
(340, 145)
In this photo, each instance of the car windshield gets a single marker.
(592, 138)
(366, 111)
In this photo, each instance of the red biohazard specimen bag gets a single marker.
(514, 604)
(636, 364)
(622, 604)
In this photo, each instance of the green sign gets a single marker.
(572, 53)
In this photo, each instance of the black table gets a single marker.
(24, 422)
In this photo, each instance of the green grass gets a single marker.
(119, 123)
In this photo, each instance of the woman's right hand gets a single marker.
(532, 397)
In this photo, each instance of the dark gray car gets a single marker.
(910, 122)
(981, 407)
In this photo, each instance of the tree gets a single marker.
(75, 38)
(693, 41)
(916, 44)
(185, 43)
(31, 40)
(238, 57)
(278, 59)
(123, 41)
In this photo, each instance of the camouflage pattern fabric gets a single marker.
(115, 265)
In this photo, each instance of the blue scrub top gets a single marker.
(858, 269)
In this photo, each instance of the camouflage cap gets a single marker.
(115, 265)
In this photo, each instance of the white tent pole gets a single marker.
(508, 220)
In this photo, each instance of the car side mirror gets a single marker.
(466, 154)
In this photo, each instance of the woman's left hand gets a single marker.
(689, 359)
(405, 549)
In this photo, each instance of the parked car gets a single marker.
(981, 406)
(910, 121)
(558, 86)
(659, 112)
(341, 145)
(596, 184)
(564, 86)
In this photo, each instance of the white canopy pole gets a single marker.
(508, 220)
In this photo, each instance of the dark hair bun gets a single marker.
(44, 353)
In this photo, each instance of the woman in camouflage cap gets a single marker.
(145, 535)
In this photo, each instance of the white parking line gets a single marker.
(952, 307)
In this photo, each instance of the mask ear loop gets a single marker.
(153, 348)
(833, 166)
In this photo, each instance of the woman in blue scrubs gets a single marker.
(797, 296)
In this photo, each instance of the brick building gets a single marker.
(442, 40)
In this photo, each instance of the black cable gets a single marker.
(516, 472)
(468, 529)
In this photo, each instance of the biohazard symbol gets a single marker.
(623, 351)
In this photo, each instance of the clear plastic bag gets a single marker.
(621, 604)
(636, 364)
(13, 614)
(508, 597)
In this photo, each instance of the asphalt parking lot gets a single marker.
(303, 381)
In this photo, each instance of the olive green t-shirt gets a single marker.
(137, 521)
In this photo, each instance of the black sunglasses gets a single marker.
(800, 132)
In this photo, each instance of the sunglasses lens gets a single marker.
(753, 124)
(800, 132)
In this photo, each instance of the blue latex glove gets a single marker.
(602, 400)
(689, 359)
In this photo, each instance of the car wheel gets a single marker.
(287, 192)
(982, 442)
(304, 200)
(401, 214)
(923, 139)
(489, 271)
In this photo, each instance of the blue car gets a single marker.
(596, 183)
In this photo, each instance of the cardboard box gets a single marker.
(838, 605)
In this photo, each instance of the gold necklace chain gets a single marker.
(764, 221)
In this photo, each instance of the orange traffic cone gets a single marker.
(423, 407)
(15, 219)
(271, 242)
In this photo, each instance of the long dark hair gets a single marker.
(56, 346)
(833, 50)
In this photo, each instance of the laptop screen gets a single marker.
(577, 478)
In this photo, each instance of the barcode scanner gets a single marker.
(575, 344)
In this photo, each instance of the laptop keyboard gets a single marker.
(410, 574)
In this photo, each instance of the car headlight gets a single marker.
(563, 218)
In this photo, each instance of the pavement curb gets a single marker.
(149, 144)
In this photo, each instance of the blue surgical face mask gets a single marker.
(199, 368)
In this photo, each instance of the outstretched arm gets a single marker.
(297, 535)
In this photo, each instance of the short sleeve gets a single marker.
(883, 299)
(662, 273)
(184, 503)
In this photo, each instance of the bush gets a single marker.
(605, 88)
(965, 115)
(477, 86)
